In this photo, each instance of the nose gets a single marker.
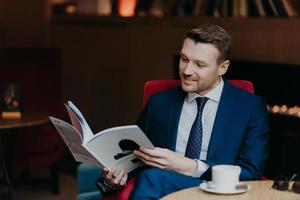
(188, 68)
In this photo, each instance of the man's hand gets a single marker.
(166, 159)
(115, 178)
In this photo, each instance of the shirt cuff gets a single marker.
(201, 168)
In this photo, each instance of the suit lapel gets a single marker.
(223, 114)
(174, 115)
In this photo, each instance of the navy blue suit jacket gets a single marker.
(239, 135)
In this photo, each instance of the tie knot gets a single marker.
(201, 102)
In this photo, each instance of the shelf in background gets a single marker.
(259, 39)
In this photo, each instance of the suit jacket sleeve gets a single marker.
(253, 152)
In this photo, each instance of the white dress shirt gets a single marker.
(187, 117)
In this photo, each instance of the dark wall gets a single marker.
(24, 23)
(277, 83)
(284, 146)
(38, 72)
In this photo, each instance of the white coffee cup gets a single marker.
(225, 177)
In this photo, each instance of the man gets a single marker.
(226, 125)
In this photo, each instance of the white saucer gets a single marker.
(204, 186)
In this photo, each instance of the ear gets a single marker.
(223, 67)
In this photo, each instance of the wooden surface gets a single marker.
(259, 190)
(28, 119)
(9, 126)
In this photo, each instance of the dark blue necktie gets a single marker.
(193, 147)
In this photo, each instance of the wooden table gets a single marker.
(260, 190)
(8, 127)
(27, 120)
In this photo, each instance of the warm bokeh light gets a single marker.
(126, 8)
(284, 109)
(274, 109)
(71, 9)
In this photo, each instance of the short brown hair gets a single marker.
(212, 34)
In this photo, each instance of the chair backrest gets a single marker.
(156, 86)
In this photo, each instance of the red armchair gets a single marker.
(156, 86)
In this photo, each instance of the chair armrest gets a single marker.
(96, 195)
(86, 177)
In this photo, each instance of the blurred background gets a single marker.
(100, 53)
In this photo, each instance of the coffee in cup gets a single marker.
(225, 177)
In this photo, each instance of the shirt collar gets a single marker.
(214, 94)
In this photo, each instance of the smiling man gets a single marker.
(204, 122)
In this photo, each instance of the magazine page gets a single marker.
(75, 121)
(114, 147)
(73, 140)
(87, 132)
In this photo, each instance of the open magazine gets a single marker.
(108, 148)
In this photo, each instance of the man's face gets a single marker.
(199, 69)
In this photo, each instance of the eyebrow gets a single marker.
(182, 54)
(196, 61)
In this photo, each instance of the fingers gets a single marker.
(110, 174)
(124, 180)
(156, 155)
(156, 152)
(147, 155)
(159, 157)
(159, 162)
(119, 176)
(105, 171)
(116, 178)
(155, 163)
